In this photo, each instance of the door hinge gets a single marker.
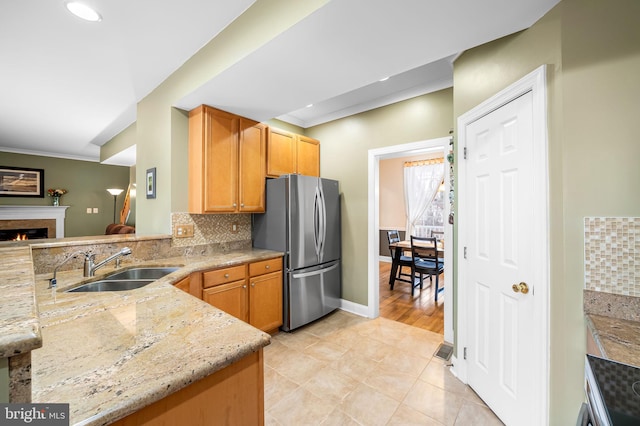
(464, 353)
(464, 252)
(464, 151)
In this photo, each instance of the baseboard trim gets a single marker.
(354, 308)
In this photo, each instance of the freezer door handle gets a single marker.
(316, 272)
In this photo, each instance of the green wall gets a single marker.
(344, 147)
(118, 143)
(592, 51)
(86, 182)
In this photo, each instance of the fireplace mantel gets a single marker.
(57, 213)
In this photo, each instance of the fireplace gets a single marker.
(23, 234)
(32, 220)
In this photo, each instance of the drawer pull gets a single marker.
(226, 275)
(267, 267)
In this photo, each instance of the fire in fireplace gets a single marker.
(23, 234)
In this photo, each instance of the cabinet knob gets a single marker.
(267, 267)
(244, 286)
(226, 275)
(235, 205)
(241, 204)
(253, 284)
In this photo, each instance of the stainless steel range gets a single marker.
(613, 390)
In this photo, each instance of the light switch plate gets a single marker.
(183, 231)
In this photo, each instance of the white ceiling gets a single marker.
(68, 86)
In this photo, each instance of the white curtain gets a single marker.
(421, 184)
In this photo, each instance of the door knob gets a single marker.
(521, 288)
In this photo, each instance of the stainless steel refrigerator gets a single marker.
(302, 220)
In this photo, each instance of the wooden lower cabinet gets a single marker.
(250, 292)
(231, 298)
(265, 301)
(183, 284)
(231, 396)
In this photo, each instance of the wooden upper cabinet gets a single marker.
(281, 153)
(308, 156)
(252, 167)
(226, 162)
(290, 153)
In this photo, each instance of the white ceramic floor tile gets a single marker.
(349, 370)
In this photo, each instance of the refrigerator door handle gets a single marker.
(323, 220)
(316, 223)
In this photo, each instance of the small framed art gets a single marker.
(21, 182)
(151, 183)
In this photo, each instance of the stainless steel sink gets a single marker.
(129, 279)
(151, 273)
(110, 285)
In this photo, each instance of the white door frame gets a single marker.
(374, 157)
(534, 82)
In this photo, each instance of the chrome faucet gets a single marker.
(90, 267)
(53, 282)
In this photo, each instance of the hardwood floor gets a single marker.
(420, 311)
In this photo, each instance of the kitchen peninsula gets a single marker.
(129, 356)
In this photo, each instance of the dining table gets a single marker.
(400, 247)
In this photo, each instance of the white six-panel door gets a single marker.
(500, 211)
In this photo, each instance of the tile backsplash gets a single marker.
(212, 228)
(612, 255)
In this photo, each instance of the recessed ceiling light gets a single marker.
(384, 79)
(83, 11)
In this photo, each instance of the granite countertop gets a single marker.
(614, 322)
(109, 354)
(19, 327)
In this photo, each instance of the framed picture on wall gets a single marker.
(21, 182)
(151, 183)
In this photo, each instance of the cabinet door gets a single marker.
(265, 301)
(281, 153)
(183, 284)
(231, 298)
(251, 173)
(221, 161)
(308, 156)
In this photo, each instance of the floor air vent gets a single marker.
(444, 351)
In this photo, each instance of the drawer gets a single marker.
(223, 276)
(265, 266)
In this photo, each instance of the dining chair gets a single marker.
(393, 236)
(425, 261)
(438, 235)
